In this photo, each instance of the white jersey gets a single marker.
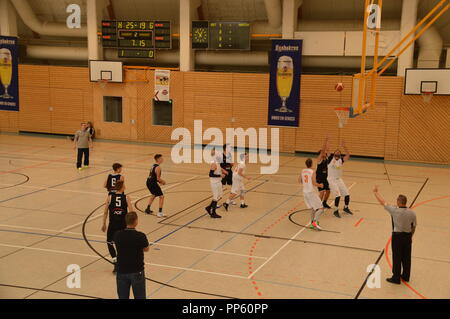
(335, 167)
(217, 171)
(307, 182)
(236, 175)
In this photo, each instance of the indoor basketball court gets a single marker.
(289, 80)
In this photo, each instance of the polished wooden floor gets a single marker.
(259, 252)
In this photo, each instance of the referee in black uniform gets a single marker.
(404, 225)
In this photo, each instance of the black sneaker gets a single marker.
(348, 211)
(336, 213)
(243, 206)
(208, 209)
(148, 211)
(225, 205)
(215, 215)
(407, 280)
(393, 281)
(115, 268)
(325, 205)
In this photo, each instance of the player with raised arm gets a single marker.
(116, 207)
(312, 200)
(337, 185)
(322, 174)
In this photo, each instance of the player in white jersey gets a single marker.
(337, 185)
(311, 198)
(215, 179)
(238, 187)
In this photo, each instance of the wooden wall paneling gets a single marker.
(424, 133)
(34, 95)
(67, 113)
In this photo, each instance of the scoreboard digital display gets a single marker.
(220, 35)
(141, 35)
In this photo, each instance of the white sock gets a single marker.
(242, 202)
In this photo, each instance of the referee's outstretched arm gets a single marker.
(378, 196)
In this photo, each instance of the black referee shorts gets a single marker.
(154, 188)
(323, 181)
(228, 179)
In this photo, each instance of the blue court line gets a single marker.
(48, 235)
(65, 183)
(225, 242)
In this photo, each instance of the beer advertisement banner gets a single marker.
(9, 75)
(162, 83)
(284, 88)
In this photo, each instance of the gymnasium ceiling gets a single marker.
(251, 10)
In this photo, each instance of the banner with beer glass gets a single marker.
(9, 75)
(284, 88)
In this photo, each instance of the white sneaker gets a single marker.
(160, 215)
(316, 225)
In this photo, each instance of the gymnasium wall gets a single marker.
(56, 99)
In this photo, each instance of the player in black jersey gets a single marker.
(117, 206)
(153, 181)
(227, 165)
(322, 174)
(112, 179)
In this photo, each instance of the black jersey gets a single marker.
(226, 161)
(111, 182)
(322, 170)
(118, 208)
(152, 177)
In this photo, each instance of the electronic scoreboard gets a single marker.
(136, 39)
(220, 35)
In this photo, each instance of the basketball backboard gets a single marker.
(420, 81)
(110, 71)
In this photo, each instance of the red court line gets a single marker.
(359, 222)
(386, 249)
(33, 166)
(253, 248)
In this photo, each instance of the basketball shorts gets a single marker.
(238, 187)
(338, 187)
(154, 188)
(312, 200)
(228, 179)
(216, 188)
(324, 181)
(112, 229)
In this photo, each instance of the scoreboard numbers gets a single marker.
(220, 35)
(136, 39)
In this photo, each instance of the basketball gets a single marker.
(339, 87)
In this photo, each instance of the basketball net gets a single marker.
(427, 96)
(342, 115)
(102, 83)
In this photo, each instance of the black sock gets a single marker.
(336, 201)
(160, 210)
(213, 206)
(112, 250)
(347, 200)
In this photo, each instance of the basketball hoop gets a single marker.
(427, 96)
(342, 114)
(102, 83)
